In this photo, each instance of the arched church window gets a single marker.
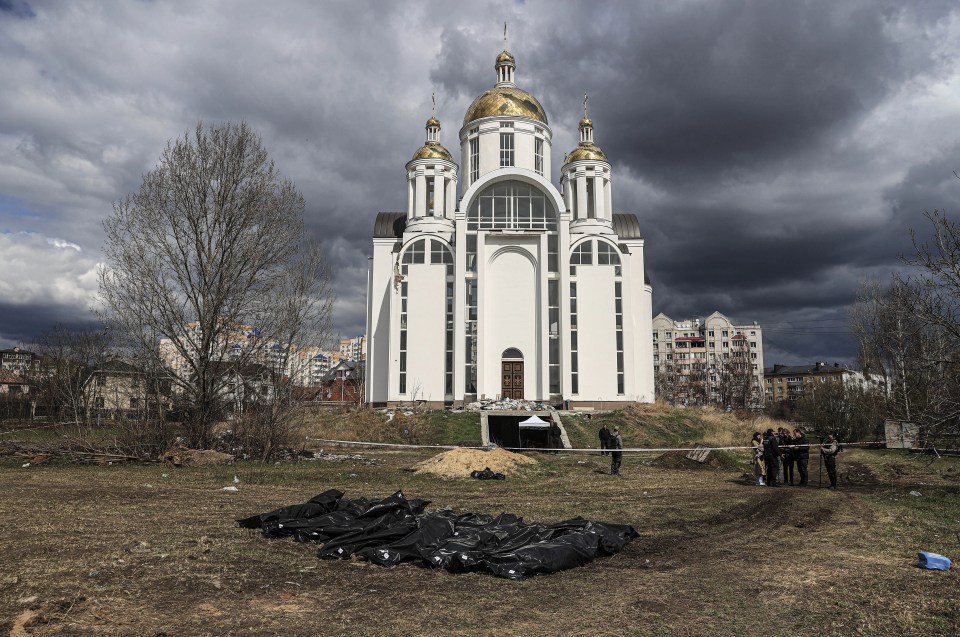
(607, 254)
(513, 205)
(415, 253)
(512, 352)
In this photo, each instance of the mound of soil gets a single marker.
(458, 463)
(679, 460)
(185, 457)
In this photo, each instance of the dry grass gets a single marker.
(124, 551)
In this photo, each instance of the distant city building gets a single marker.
(17, 360)
(354, 349)
(713, 361)
(793, 382)
(304, 366)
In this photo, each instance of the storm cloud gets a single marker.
(776, 154)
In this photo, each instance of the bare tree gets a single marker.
(68, 358)
(211, 255)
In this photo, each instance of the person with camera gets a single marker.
(829, 449)
(801, 455)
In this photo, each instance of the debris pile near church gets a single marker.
(394, 530)
(461, 462)
(508, 404)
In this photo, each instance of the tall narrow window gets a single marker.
(618, 314)
(591, 207)
(471, 253)
(403, 337)
(553, 253)
(574, 363)
(448, 341)
(474, 159)
(506, 149)
(470, 349)
(553, 313)
(538, 155)
(430, 197)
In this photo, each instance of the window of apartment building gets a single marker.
(669, 345)
(712, 345)
(725, 344)
(724, 334)
(669, 335)
(754, 368)
(753, 344)
(506, 149)
(753, 333)
(669, 357)
(538, 155)
(474, 159)
(753, 355)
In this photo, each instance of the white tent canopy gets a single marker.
(534, 422)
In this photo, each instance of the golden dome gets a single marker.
(506, 57)
(432, 150)
(586, 121)
(585, 151)
(433, 121)
(505, 100)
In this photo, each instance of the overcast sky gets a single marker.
(776, 153)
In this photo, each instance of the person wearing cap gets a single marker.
(615, 444)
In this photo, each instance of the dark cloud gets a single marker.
(776, 153)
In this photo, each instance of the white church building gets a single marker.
(516, 288)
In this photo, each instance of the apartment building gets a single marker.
(354, 349)
(17, 360)
(793, 382)
(709, 361)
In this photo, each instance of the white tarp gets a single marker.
(534, 423)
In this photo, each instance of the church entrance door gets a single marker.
(512, 375)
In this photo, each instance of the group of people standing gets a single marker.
(776, 455)
(612, 443)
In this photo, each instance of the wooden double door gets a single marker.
(512, 380)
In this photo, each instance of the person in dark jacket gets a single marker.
(786, 454)
(615, 444)
(829, 449)
(801, 455)
(771, 457)
(604, 439)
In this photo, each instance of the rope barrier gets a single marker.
(571, 450)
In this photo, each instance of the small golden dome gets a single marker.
(585, 151)
(505, 100)
(432, 150)
(506, 57)
(586, 122)
(433, 121)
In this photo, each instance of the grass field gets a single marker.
(122, 550)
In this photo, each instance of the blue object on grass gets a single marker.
(933, 561)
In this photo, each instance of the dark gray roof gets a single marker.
(389, 224)
(791, 370)
(627, 226)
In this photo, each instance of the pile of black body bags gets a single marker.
(395, 530)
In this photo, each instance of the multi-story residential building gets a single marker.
(793, 382)
(354, 349)
(713, 361)
(17, 360)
